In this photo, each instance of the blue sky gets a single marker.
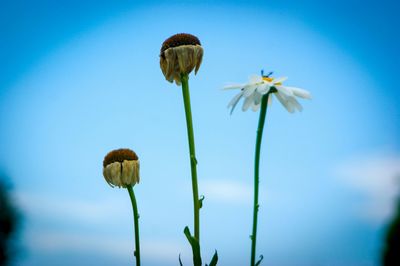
(81, 79)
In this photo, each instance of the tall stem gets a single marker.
(136, 224)
(260, 129)
(193, 161)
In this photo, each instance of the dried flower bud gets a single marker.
(121, 168)
(180, 54)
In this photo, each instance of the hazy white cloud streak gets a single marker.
(377, 177)
(226, 191)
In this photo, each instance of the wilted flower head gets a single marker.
(121, 168)
(180, 54)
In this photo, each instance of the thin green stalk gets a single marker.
(136, 224)
(260, 129)
(193, 161)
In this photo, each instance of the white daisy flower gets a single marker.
(258, 86)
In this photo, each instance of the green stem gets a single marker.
(136, 224)
(193, 161)
(260, 129)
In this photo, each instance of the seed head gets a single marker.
(121, 168)
(178, 40)
(180, 54)
(119, 155)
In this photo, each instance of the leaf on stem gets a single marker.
(180, 261)
(214, 260)
(195, 247)
(259, 261)
(193, 158)
(201, 201)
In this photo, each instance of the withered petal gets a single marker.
(199, 57)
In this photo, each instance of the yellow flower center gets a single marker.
(270, 80)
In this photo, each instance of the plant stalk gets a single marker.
(136, 224)
(193, 161)
(263, 112)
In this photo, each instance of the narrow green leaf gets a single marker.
(259, 261)
(194, 160)
(214, 259)
(201, 201)
(180, 261)
(195, 247)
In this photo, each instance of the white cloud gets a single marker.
(89, 212)
(378, 178)
(226, 191)
(58, 241)
(166, 250)
(77, 210)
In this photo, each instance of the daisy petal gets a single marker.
(249, 89)
(270, 99)
(233, 87)
(284, 90)
(293, 101)
(263, 88)
(279, 80)
(283, 99)
(300, 92)
(255, 79)
(255, 107)
(235, 101)
(257, 98)
(249, 100)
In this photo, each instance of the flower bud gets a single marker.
(121, 168)
(180, 54)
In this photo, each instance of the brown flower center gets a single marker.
(119, 155)
(178, 40)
